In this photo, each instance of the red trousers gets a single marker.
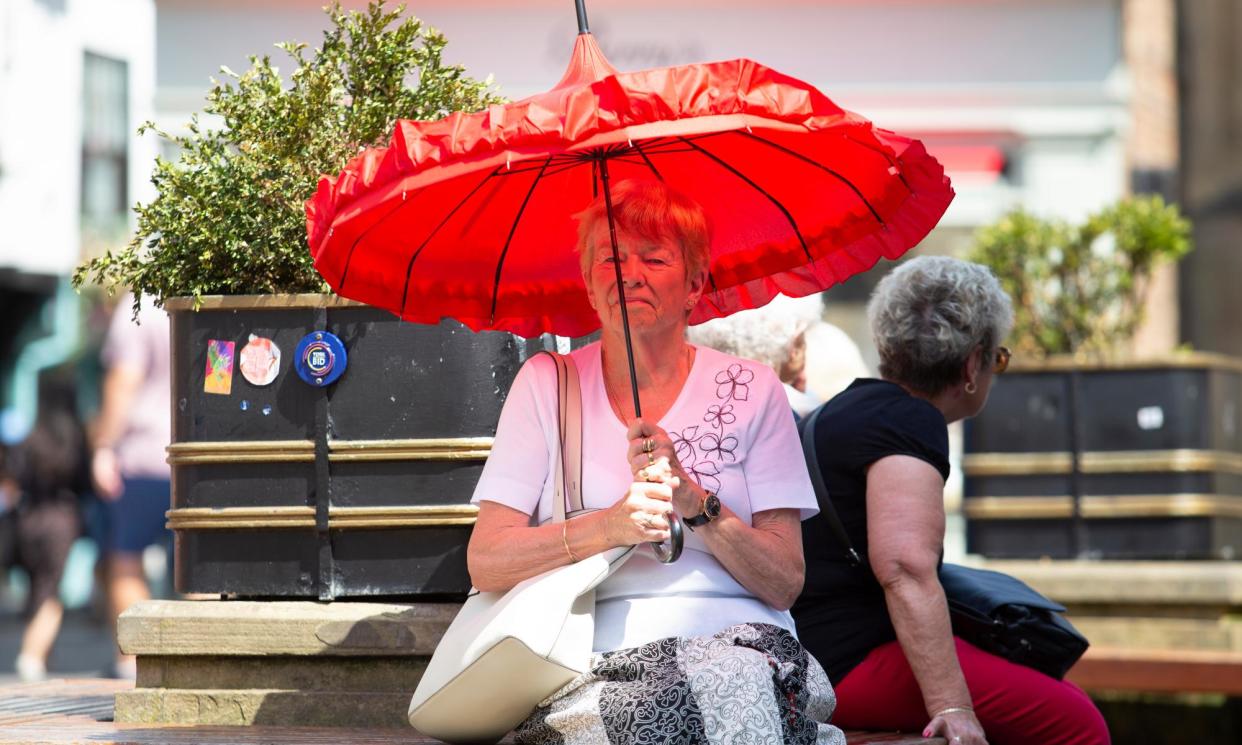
(1015, 704)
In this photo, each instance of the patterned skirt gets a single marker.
(751, 683)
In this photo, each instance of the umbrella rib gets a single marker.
(788, 215)
(349, 257)
(500, 264)
(409, 269)
(647, 160)
(564, 160)
(563, 168)
(818, 165)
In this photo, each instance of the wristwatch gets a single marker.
(711, 511)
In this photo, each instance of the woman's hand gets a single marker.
(958, 727)
(106, 475)
(641, 516)
(653, 458)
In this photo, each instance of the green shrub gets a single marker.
(229, 214)
(1079, 289)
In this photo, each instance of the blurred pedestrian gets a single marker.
(130, 436)
(8, 518)
(49, 472)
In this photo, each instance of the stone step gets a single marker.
(1221, 634)
(1118, 583)
(1143, 605)
(288, 663)
(302, 708)
(327, 673)
(249, 628)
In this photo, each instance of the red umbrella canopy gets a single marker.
(472, 217)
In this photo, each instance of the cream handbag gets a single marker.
(506, 652)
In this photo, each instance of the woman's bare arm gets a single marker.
(766, 557)
(504, 549)
(905, 532)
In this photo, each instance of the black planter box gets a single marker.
(357, 489)
(1146, 465)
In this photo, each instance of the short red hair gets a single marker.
(653, 211)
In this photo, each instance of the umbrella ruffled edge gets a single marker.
(930, 196)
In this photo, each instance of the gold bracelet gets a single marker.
(953, 710)
(565, 540)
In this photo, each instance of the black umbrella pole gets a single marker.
(675, 537)
(580, 6)
(616, 265)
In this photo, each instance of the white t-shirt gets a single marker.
(734, 433)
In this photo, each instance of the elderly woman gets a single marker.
(882, 630)
(702, 648)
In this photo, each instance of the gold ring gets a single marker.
(648, 445)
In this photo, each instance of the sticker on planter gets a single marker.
(219, 374)
(320, 358)
(259, 360)
(1150, 417)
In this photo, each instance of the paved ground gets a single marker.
(84, 648)
(70, 711)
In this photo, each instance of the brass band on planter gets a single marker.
(1010, 464)
(303, 451)
(1121, 461)
(259, 302)
(268, 451)
(448, 448)
(1018, 508)
(1103, 506)
(1180, 360)
(249, 518)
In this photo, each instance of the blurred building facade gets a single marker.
(1209, 68)
(76, 79)
(1058, 105)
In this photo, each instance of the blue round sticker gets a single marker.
(320, 358)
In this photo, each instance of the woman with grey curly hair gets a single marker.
(882, 629)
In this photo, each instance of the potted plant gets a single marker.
(287, 480)
(1084, 449)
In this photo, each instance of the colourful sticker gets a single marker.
(219, 377)
(260, 360)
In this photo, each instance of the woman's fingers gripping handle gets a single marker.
(642, 514)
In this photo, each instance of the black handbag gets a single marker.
(1003, 615)
(998, 613)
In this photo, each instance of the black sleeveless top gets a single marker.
(841, 614)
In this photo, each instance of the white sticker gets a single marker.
(260, 360)
(1150, 417)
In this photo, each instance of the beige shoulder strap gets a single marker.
(568, 478)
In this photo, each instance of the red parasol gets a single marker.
(470, 217)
